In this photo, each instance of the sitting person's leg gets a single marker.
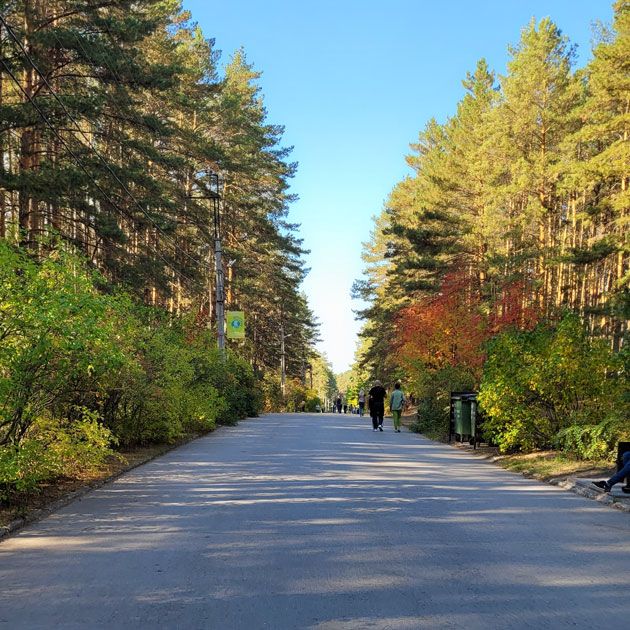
(618, 476)
(623, 473)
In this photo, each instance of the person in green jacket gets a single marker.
(396, 404)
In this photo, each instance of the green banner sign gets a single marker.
(235, 325)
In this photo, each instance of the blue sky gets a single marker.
(354, 83)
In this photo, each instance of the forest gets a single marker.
(129, 149)
(132, 149)
(502, 264)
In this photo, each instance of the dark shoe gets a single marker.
(380, 427)
(603, 485)
(625, 489)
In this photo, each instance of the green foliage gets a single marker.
(81, 370)
(594, 441)
(272, 393)
(324, 380)
(432, 419)
(54, 448)
(77, 445)
(312, 400)
(177, 384)
(58, 336)
(295, 395)
(169, 390)
(539, 382)
(242, 395)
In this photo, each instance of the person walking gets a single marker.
(338, 404)
(361, 401)
(396, 404)
(376, 403)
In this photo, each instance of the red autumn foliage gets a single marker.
(450, 328)
(447, 329)
(515, 307)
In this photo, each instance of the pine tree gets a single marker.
(600, 167)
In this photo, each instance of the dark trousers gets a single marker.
(624, 472)
(377, 412)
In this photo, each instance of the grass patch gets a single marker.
(548, 465)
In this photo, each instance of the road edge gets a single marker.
(41, 513)
(570, 484)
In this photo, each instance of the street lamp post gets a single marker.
(218, 265)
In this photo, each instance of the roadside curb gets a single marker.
(39, 514)
(579, 486)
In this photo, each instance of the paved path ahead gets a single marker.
(314, 522)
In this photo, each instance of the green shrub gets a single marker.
(432, 418)
(312, 400)
(593, 441)
(52, 449)
(272, 393)
(235, 380)
(170, 390)
(59, 337)
(537, 383)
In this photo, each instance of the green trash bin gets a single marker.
(462, 416)
(465, 419)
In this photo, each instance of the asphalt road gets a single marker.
(315, 522)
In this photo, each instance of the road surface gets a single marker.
(315, 522)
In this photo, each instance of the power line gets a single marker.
(132, 112)
(83, 167)
(91, 146)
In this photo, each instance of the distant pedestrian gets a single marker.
(396, 404)
(345, 408)
(607, 486)
(339, 404)
(376, 403)
(361, 400)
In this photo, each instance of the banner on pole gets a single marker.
(235, 325)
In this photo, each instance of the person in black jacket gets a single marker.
(376, 404)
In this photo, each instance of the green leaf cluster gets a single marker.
(82, 370)
(537, 383)
(525, 193)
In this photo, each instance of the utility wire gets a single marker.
(91, 146)
(132, 112)
(83, 167)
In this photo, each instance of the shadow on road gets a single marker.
(300, 521)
